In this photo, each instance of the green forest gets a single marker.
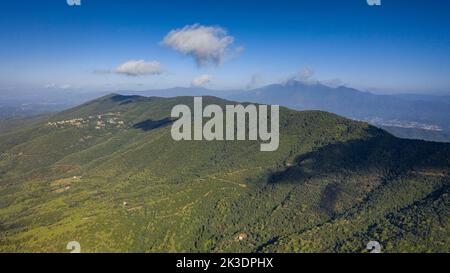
(108, 175)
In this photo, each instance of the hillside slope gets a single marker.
(108, 175)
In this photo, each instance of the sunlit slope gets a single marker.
(108, 175)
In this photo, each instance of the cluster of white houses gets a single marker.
(100, 121)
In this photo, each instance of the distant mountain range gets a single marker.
(428, 116)
(108, 175)
(427, 113)
(406, 115)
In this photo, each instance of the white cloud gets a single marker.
(201, 80)
(55, 86)
(255, 81)
(50, 85)
(139, 68)
(306, 73)
(306, 76)
(333, 83)
(206, 44)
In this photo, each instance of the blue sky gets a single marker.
(400, 46)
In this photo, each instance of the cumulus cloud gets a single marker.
(206, 44)
(201, 80)
(305, 75)
(139, 68)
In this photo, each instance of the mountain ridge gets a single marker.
(119, 187)
(398, 113)
(415, 111)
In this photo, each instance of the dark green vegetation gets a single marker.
(108, 175)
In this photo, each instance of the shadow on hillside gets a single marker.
(148, 125)
(123, 100)
(120, 98)
(381, 155)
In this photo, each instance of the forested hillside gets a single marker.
(108, 175)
